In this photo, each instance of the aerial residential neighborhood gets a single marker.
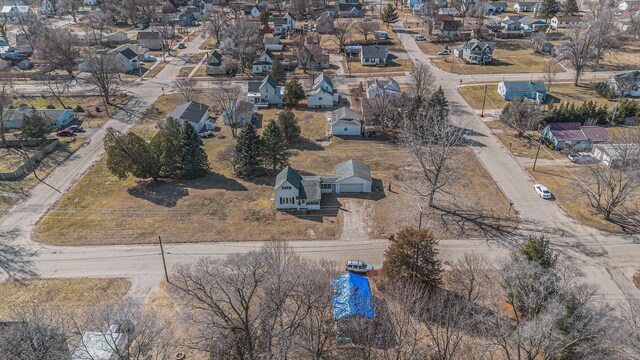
(338, 179)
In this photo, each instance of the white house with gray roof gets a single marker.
(510, 90)
(263, 64)
(195, 113)
(298, 192)
(57, 117)
(266, 92)
(323, 94)
(374, 55)
(383, 87)
(476, 52)
(345, 122)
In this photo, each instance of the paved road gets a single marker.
(602, 257)
(607, 260)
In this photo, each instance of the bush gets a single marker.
(98, 109)
(78, 109)
(50, 106)
(605, 91)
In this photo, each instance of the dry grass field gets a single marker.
(66, 294)
(521, 146)
(393, 65)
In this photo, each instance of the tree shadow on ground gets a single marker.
(168, 192)
(308, 144)
(15, 260)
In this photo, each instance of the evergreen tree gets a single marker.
(414, 256)
(293, 92)
(36, 126)
(390, 15)
(289, 126)
(128, 154)
(274, 147)
(537, 249)
(277, 72)
(438, 104)
(549, 9)
(248, 148)
(167, 147)
(264, 19)
(194, 159)
(570, 7)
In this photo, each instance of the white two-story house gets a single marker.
(266, 92)
(323, 93)
(263, 64)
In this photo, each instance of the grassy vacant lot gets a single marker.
(474, 96)
(510, 56)
(627, 57)
(393, 65)
(66, 294)
(520, 146)
(562, 183)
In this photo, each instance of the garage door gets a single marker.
(346, 188)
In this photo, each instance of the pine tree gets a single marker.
(390, 15)
(570, 7)
(194, 159)
(274, 147)
(248, 148)
(35, 126)
(293, 92)
(414, 256)
(166, 144)
(128, 154)
(289, 126)
(549, 9)
(277, 72)
(438, 104)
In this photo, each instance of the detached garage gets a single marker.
(346, 122)
(352, 176)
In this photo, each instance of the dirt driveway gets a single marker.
(357, 217)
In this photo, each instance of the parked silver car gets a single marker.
(358, 267)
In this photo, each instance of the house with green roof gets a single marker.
(298, 192)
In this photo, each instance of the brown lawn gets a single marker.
(474, 96)
(563, 183)
(521, 146)
(393, 65)
(72, 295)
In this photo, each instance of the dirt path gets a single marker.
(355, 221)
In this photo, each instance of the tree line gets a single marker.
(174, 151)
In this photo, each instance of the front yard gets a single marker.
(101, 209)
(393, 65)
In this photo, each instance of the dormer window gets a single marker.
(286, 187)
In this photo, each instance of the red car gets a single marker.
(65, 132)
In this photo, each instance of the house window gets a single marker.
(287, 200)
(346, 129)
(325, 186)
(320, 98)
(286, 187)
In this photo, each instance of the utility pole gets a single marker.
(420, 220)
(537, 153)
(164, 263)
(484, 100)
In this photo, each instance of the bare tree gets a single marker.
(147, 335)
(59, 50)
(422, 80)
(241, 43)
(435, 143)
(36, 333)
(551, 70)
(469, 276)
(427, 14)
(4, 31)
(462, 7)
(167, 35)
(447, 320)
(631, 323)
(578, 49)
(342, 30)
(604, 32)
(225, 95)
(366, 28)
(523, 115)
(228, 155)
(538, 40)
(187, 88)
(609, 188)
(58, 89)
(33, 29)
(96, 25)
(72, 7)
(104, 75)
(215, 23)
(7, 96)
(299, 7)
(382, 109)
(634, 26)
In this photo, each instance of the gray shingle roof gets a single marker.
(254, 86)
(344, 113)
(290, 175)
(322, 78)
(525, 86)
(310, 190)
(374, 51)
(351, 168)
(269, 80)
(128, 53)
(19, 113)
(191, 111)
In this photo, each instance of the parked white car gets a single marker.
(358, 267)
(583, 158)
(420, 38)
(543, 191)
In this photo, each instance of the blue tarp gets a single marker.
(351, 296)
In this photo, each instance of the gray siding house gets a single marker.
(476, 52)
